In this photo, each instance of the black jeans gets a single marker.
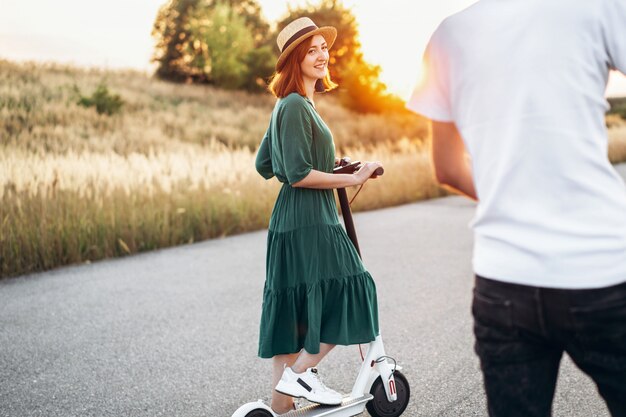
(522, 331)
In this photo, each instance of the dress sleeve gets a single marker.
(431, 97)
(263, 158)
(296, 136)
(615, 38)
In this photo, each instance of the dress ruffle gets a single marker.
(316, 291)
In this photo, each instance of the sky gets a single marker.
(116, 33)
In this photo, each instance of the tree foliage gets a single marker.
(223, 42)
(360, 88)
(227, 43)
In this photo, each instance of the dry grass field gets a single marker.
(176, 165)
(617, 138)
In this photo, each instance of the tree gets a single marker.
(223, 42)
(360, 88)
(220, 46)
(171, 36)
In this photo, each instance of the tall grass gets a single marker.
(80, 207)
(617, 139)
(84, 206)
(176, 166)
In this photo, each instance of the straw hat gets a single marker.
(297, 31)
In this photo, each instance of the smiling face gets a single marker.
(314, 66)
(307, 63)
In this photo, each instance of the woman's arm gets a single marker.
(263, 161)
(322, 180)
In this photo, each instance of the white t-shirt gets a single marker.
(524, 82)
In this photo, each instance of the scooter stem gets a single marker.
(347, 217)
(375, 353)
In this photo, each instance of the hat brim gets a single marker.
(328, 32)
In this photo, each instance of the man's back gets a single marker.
(524, 81)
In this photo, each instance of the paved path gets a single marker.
(174, 332)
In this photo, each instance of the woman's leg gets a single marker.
(306, 360)
(281, 403)
(296, 381)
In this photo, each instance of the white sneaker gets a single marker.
(307, 385)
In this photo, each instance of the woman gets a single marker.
(317, 292)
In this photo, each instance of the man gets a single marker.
(519, 85)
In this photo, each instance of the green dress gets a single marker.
(316, 288)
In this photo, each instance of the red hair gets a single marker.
(289, 78)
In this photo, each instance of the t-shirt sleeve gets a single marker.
(431, 97)
(263, 158)
(296, 136)
(616, 34)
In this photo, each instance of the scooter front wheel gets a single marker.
(379, 406)
(259, 412)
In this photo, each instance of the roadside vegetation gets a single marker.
(172, 164)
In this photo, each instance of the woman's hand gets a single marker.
(324, 180)
(367, 171)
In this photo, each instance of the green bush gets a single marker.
(103, 101)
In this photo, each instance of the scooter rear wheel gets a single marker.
(259, 412)
(379, 406)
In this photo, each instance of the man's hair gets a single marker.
(289, 79)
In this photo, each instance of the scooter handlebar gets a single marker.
(350, 167)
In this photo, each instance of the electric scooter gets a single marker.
(380, 386)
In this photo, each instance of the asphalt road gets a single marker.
(174, 332)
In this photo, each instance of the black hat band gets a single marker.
(296, 35)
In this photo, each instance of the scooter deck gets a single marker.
(349, 407)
